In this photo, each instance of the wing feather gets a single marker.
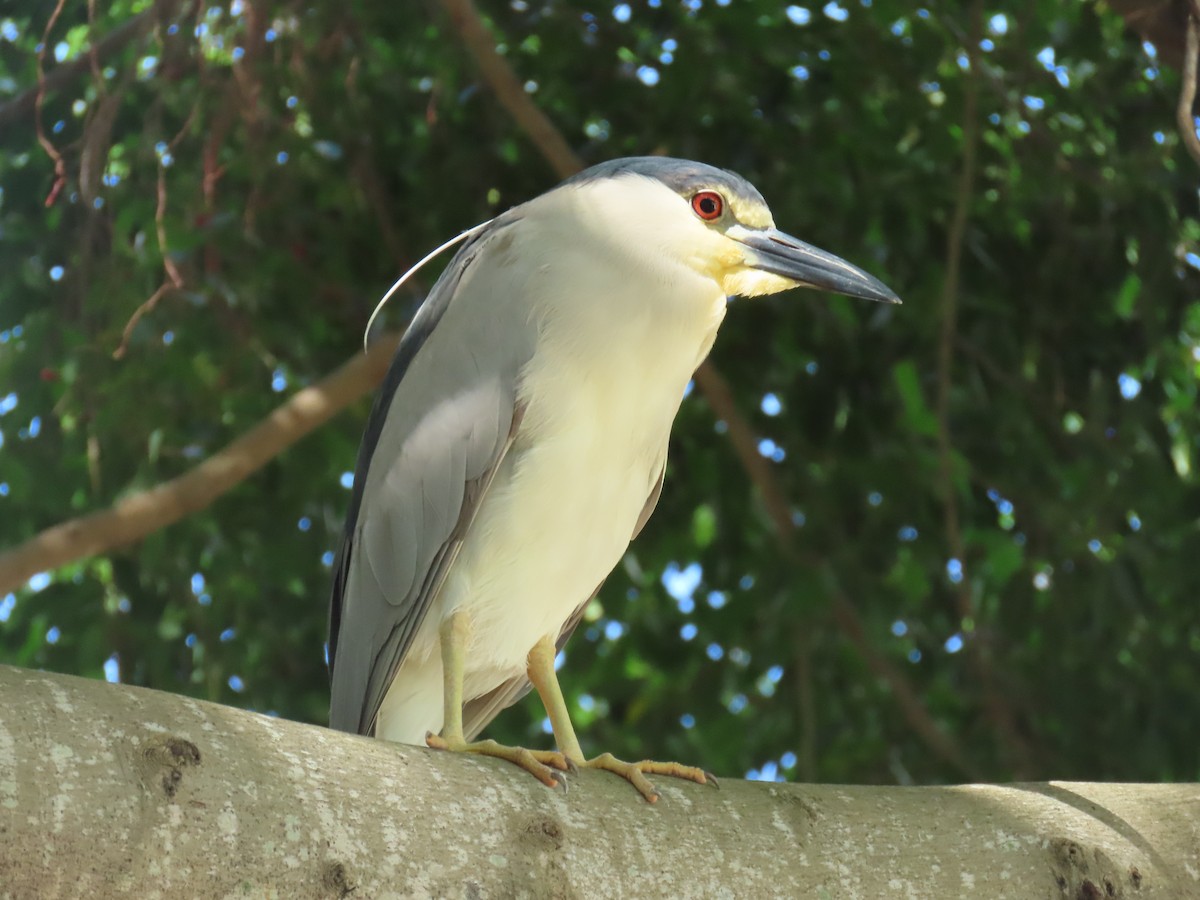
(438, 432)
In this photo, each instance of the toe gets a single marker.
(675, 770)
(539, 770)
(554, 759)
(644, 787)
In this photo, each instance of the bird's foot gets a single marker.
(635, 773)
(546, 766)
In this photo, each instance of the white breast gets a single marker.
(601, 393)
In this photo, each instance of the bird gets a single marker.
(519, 440)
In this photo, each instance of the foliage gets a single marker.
(273, 165)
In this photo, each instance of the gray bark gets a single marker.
(113, 791)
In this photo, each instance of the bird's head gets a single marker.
(716, 223)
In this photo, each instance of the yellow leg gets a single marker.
(454, 634)
(540, 668)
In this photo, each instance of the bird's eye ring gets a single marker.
(708, 205)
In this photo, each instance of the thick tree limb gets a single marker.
(136, 516)
(113, 791)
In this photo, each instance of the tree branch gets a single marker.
(135, 517)
(509, 90)
(1186, 112)
(23, 105)
(994, 702)
(112, 791)
(716, 390)
(1162, 23)
(949, 309)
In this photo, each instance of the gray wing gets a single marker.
(441, 425)
(478, 713)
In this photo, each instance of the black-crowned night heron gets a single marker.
(519, 441)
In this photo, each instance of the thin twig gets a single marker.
(93, 54)
(1186, 111)
(174, 276)
(806, 705)
(998, 708)
(147, 306)
(949, 307)
(60, 166)
(60, 76)
(375, 194)
(160, 228)
(716, 391)
(906, 698)
(137, 516)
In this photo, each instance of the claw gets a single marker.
(635, 773)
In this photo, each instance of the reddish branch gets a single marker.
(135, 517)
(174, 278)
(25, 104)
(60, 166)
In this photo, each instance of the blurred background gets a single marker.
(955, 539)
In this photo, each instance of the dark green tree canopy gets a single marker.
(967, 543)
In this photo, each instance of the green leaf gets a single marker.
(920, 417)
(704, 525)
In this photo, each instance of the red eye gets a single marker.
(708, 205)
